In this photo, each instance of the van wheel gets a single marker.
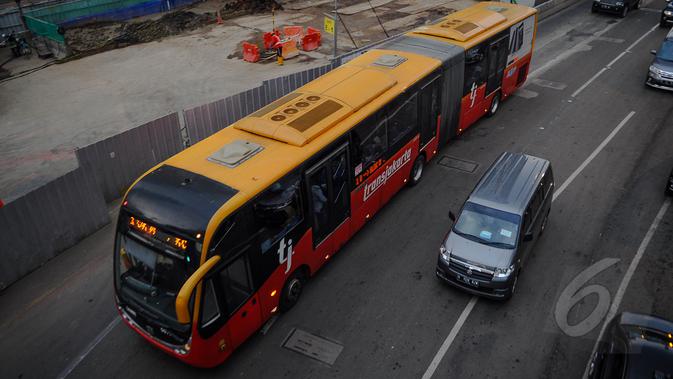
(417, 171)
(495, 105)
(292, 290)
(544, 223)
(513, 290)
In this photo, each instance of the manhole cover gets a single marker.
(458, 164)
(313, 346)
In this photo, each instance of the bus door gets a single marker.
(430, 109)
(497, 60)
(228, 297)
(329, 196)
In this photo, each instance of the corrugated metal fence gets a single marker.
(10, 20)
(205, 120)
(48, 220)
(116, 162)
(36, 227)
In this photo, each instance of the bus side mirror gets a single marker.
(452, 216)
(182, 300)
(528, 237)
(653, 52)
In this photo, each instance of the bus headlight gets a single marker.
(504, 272)
(445, 254)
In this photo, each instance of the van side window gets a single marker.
(526, 221)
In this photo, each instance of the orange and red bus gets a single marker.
(217, 239)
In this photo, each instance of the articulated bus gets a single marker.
(217, 239)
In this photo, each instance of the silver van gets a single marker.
(496, 229)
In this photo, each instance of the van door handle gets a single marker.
(245, 313)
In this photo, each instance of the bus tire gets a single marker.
(292, 290)
(417, 170)
(495, 105)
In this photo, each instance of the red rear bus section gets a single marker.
(249, 265)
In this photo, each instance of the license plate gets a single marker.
(466, 280)
(605, 7)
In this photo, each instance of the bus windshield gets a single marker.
(148, 276)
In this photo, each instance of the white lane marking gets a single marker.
(449, 339)
(468, 308)
(610, 39)
(627, 277)
(585, 85)
(650, 10)
(89, 348)
(593, 155)
(609, 65)
(549, 84)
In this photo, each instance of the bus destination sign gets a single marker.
(152, 231)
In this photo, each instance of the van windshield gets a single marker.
(488, 226)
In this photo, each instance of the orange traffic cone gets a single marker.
(219, 19)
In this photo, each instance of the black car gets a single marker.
(660, 74)
(634, 346)
(669, 185)
(620, 7)
(667, 15)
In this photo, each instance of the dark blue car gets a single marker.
(660, 74)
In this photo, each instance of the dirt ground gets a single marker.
(52, 109)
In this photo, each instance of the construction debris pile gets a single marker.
(97, 37)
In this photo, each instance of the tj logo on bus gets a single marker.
(285, 255)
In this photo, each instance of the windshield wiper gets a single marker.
(497, 244)
(140, 286)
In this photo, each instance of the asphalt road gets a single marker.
(609, 140)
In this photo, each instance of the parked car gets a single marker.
(660, 73)
(667, 15)
(669, 184)
(497, 227)
(634, 346)
(620, 7)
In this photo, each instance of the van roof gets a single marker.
(510, 182)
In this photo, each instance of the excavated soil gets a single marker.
(96, 37)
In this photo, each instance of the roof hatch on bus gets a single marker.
(235, 153)
(299, 118)
(463, 26)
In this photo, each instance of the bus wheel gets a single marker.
(292, 291)
(417, 170)
(495, 105)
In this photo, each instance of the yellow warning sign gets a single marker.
(329, 25)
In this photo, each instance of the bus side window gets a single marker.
(402, 122)
(278, 210)
(475, 68)
(370, 142)
(236, 283)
